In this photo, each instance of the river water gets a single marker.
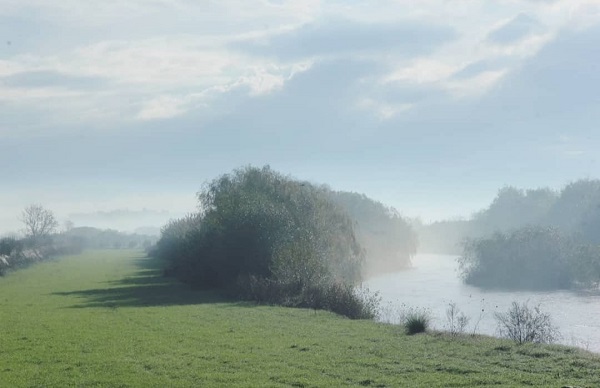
(433, 283)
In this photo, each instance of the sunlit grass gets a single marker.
(107, 319)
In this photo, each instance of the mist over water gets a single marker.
(433, 283)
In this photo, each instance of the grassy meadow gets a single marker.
(108, 319)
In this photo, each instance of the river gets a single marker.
(433, 283)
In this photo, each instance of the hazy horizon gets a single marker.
(116, 112)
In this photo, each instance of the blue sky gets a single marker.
(431, 106)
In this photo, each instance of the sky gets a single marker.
(115, 113)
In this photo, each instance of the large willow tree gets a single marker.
(257, 223)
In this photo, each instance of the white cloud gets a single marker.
(514, 29)
(584, 14)
(523, 38)
(33, 95)
(8, 68)
(440, 76)
(163, 15)
(476, 85)
(383, 110)
(181, 53)
(524, 48)
(164, 62)
(263, 83)
(162, 107)
(423, 70)
(193, 69)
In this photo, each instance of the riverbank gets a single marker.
(434, 282)
(108, 318)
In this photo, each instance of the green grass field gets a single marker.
(107, 319)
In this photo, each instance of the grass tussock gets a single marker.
(416, 321)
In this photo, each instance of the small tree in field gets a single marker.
(524, 324)
(39, 223)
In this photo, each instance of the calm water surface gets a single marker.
(433, 283)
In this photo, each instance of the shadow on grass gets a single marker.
(146, 287)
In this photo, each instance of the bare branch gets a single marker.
(39, 222)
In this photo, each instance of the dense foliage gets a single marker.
(515, 208)
(530, 258)
(535, 239)
(265, 236)
(18, 253)
(574, 210)
(388, 240)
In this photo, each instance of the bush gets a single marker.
(351, 302)
(457, 321)
(9, 245)
(416, 321)
(268, 237)
(346, 300)
(21, 253)
(11, 254)
(528, 258)
(524, 324)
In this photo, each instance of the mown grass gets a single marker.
(107, 319)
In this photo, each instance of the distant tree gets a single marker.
(515, 208)
(586, 267)
(574, 211)
(388, 239)
(533, 257)
(444, 236)
(68, 225)
(577, 203)
(589, 227)
(39, 222)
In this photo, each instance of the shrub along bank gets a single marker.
(533, 257)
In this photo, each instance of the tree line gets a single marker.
(41, 240)
(534, 239)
